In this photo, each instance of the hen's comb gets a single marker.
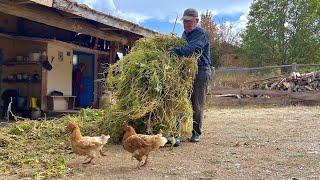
(125, 124)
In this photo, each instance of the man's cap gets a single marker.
(190, 14)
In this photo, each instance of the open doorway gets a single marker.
(82, 78)
(1, 59)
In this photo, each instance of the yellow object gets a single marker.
(33, 102)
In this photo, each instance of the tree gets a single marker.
(208, 24)
(282, 32)
(221, 37)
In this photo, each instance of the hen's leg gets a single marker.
(138, 167)
(102, 154)
(145, 162)
(134, 155)
(139, 158)
(88, 162)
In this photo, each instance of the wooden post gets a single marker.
(294, 67)
(113, 51)
(43, 91)
(213, 76)
(96, 43)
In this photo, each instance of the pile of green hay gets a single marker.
(152, 89)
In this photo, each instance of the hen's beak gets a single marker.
(125, 125)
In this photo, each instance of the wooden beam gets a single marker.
(44, 2)
(24, 2)
(51, 18)
(57, 42)
(109, 29)
(83, 11)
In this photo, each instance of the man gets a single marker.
(197, 42)
(77, 76)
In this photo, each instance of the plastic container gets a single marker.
(33, 102)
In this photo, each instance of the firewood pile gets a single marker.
(295, 82)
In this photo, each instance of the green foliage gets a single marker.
(223, 39)
(38, 148)
(208, 24)
(282, 32)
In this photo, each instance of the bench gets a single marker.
(57, 103)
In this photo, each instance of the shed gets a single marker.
(63, 34)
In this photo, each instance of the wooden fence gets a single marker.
(227, 86)
(237, 76)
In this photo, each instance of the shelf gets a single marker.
(20, 81)
(12, 63)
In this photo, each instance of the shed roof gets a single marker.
(86, 12)
(71, 16)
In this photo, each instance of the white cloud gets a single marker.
(167, 9)
(133, 17)
(212, 11)
(242, 22)
(105, 6)
(139, 11)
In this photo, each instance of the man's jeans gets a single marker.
(198, 97)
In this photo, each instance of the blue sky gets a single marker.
(160, 15)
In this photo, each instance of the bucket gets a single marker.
(35, 114)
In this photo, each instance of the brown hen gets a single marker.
(85, 145)
(141, 145)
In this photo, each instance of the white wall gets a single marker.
(60, 77)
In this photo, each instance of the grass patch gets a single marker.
(38, 149)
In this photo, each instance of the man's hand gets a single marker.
(171, 53)
(173, 34)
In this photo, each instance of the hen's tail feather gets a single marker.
(104, 138)
(163, 141)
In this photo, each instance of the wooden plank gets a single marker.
(306, 96)
(79, 48)
(61, 43)
(52, 18)
(309, 98)
(44, 2)
(85, 12)
(62, 96)
(43, 91)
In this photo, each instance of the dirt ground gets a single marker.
(237, 143)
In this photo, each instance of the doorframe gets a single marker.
(1, 72)
(92, 69)
(1, 61)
